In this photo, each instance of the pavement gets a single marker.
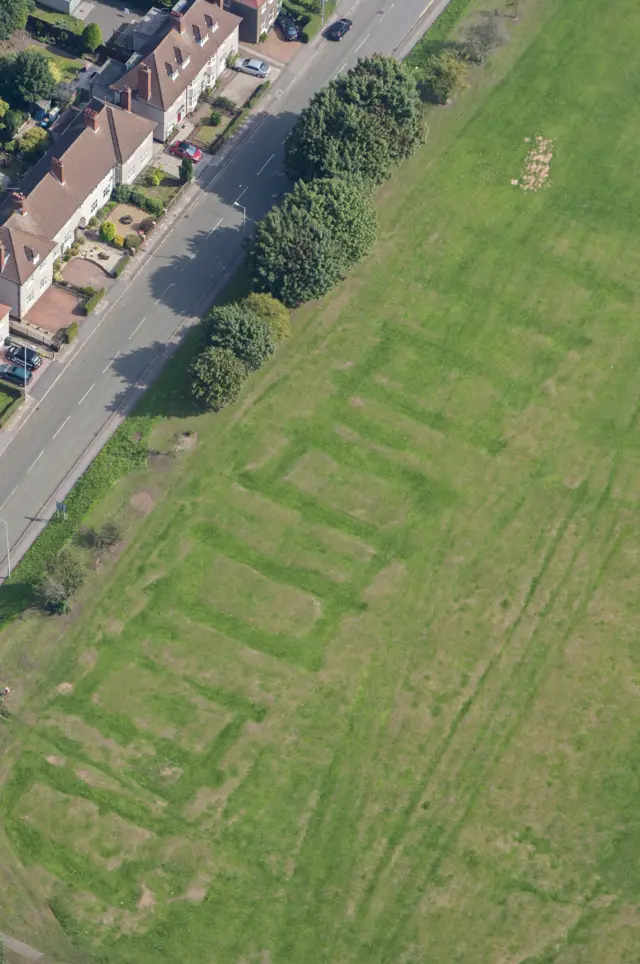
(79, 402)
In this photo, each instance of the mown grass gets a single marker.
(363, 687)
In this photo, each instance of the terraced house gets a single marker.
(102, 146)
(166, 84)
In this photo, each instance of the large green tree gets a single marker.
(443, 72)
(300, 250)
(13, 16)
(362, 123)
(239, 330)
(217, 377)
(91, 37)
(63, 576)
(27, 76)
(273, 312)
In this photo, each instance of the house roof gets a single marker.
(4, 310)
(178, 57)
(87, 156)
(254, 4)
(24, 251)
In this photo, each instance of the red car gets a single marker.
(185, 149)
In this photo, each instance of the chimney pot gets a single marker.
(90, 118)
(57, 169)
(176, 21)
(125, 99)
(144, 82)
(19, 202)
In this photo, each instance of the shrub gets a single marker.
(12, 122)
(155, 176)
(442, 73)
(118, 241)
(216, 118)
(107, 209)
(89, 290)
(34, 142)
(91, 37)
(107, 231)
(225, 104)
(93, 222)
(62, 577)
(217, 377)
(106, 536)
(257, 93)
(71, 332)
(238, 329)
(121, 265)
(132, 242)
(272, 311)
(93, 301)
(186, 170)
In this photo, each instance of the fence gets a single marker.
(38, 335)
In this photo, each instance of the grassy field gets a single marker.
(362, 686)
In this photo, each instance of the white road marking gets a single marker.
(386, 12)
(36, 461)
(108, 366)
(215, 227)
(139, 325)
(265, 164)
(362, 42)
(61, 427)
(241, 193)
(11, 494)
(158, 300)
(340, 71)
(86, 393)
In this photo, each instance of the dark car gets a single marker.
(287, 27)
(339, 29)
(24, 357)
(15, 374)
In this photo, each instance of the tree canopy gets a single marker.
(242, 332)
(300, 250)
(217, 377)
(362, 123)
(91, 37)
(13, 16)
(27, 76)
(272, 311)
(441, 74)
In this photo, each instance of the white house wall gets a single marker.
(36, 285)
(4, 328)
(136, 163)
(97, 199)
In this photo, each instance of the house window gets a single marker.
(106, 191)
(44, 282)
(94, 206)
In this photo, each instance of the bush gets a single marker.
(121, 265)
(442, 73)
(186, 170)
(216, 118)
(217, 377)
(12, 122)
(93, 222)
(257, 93)
(89, 290)
(242, 332)
(272, 311)
(132, 242)
(155, 176)
(91, 37)
(107, 231)
(62, 577)
(106, 536)
(106, 209)
(93, 301)
(118, 242)
(71, 332)
(34, 142)
(225, 104)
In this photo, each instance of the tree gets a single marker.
(361, 124)
(484, 36)
(91, 37)
(242, 332)
(155, 176)
(13, 16)
(186, 170)
(443, 72)
(276, 314)
(62, 577)
(34, 142)
(29, 76)
(106, 536)
(300, 249)
(217, 377)
(107, 231)
(12, 122)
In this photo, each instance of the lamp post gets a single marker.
(6, 529)
(236, 204)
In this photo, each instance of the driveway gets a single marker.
(56, 309)
(108, 14)
(274, 50)
(85, 273)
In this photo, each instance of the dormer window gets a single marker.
(32, 255)
(172, 71)
(212, 25)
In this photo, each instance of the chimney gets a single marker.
(3, 257)
(18, 202)
(176, 21)
(90, 118)
(144, 82)
(125, 98)
(57, 169)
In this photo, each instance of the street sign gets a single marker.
(62, 507)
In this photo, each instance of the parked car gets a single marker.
(287, 27)
(341, 27)
(24, 357)
(254, 67)
(15, 374)
(185, 149)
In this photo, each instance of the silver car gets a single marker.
(257, 68)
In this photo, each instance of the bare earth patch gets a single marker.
(147, 900)
(65, 689)
(56, 761)
(143, 503)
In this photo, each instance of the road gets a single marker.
(70, 413)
